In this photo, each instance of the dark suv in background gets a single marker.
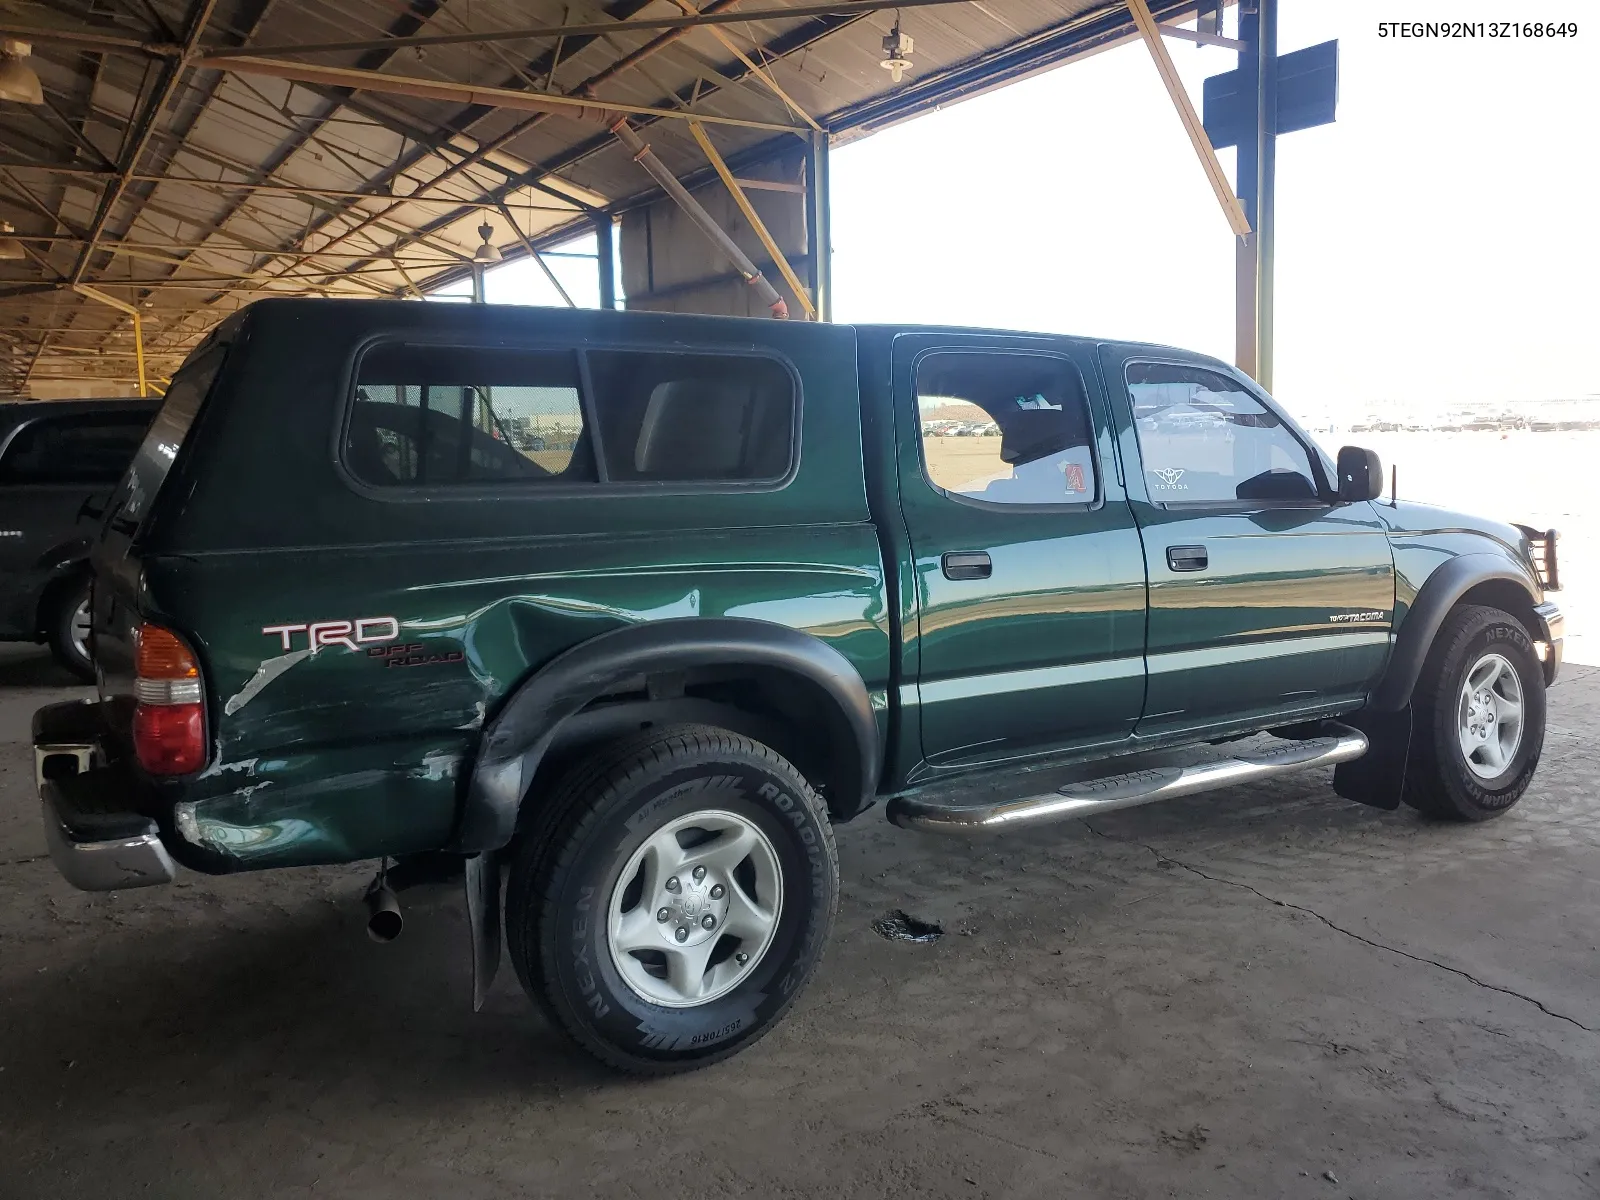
(57, 458)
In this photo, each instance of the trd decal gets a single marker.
(353, 635)
(413, 654)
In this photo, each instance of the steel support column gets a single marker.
(1266, 182)
(605, 241)
(1257, 179)
(819, 226)
(1244, 290)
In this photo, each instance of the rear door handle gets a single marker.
(968, 564)
(1188, 558)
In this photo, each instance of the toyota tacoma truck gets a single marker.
(619, 613)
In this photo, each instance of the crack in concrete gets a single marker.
(14, 862)
(1350, 933)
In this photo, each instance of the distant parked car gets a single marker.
(59, 460)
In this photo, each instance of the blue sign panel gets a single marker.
(1308, 94)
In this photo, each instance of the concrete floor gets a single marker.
(1264, 992)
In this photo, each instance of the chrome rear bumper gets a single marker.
(135, 858)
(96, 839)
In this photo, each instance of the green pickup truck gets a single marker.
(626, 610)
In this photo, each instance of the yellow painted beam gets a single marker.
(138, 350)
(84, 289)
(760, 72)
(1151, 33)
(755, 220)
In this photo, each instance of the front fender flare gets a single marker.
(1440, 592)
(516, 740)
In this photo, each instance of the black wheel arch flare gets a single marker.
(1441, 592)
(516, 739)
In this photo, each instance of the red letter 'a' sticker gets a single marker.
(1075, 478)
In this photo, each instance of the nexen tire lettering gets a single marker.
(583, 971)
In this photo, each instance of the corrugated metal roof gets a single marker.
(248, 184)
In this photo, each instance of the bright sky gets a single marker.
(1438, 242)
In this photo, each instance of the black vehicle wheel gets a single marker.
(68, 627)
(1480, 709)
(674, 899)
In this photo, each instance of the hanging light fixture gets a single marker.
(18, 81)
(896, 51)
(10, 248)
(488, 252)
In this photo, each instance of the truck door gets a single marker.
(1030, 607)
(1267, 600)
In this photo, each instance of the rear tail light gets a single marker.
(169, 727)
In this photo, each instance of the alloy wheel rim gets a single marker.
(80, 628)
(1489, 716)
(695, 909)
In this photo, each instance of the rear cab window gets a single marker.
(443, 416)
(426, 417)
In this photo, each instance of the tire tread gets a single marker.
(583, 798)
(1427, 783)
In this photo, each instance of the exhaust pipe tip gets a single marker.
(384, 920)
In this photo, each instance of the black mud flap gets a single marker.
(483, 916)
(1378, 777)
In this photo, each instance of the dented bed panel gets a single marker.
(338, 725)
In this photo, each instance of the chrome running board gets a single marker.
(1111, 792)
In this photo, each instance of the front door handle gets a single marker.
(967, 564)
(1188, 558)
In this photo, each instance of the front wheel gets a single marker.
(674, 899)
(1480, 709)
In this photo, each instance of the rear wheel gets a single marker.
(674, 898)
(68, 627)
(1480, 715)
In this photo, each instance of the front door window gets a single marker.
(1205, 440)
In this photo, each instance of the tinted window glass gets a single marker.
(438, 416)
(1006, 428)
(1204, 439)
(693, 417)
(170, 429)
(92, 448)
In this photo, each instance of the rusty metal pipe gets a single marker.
(645, 157)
